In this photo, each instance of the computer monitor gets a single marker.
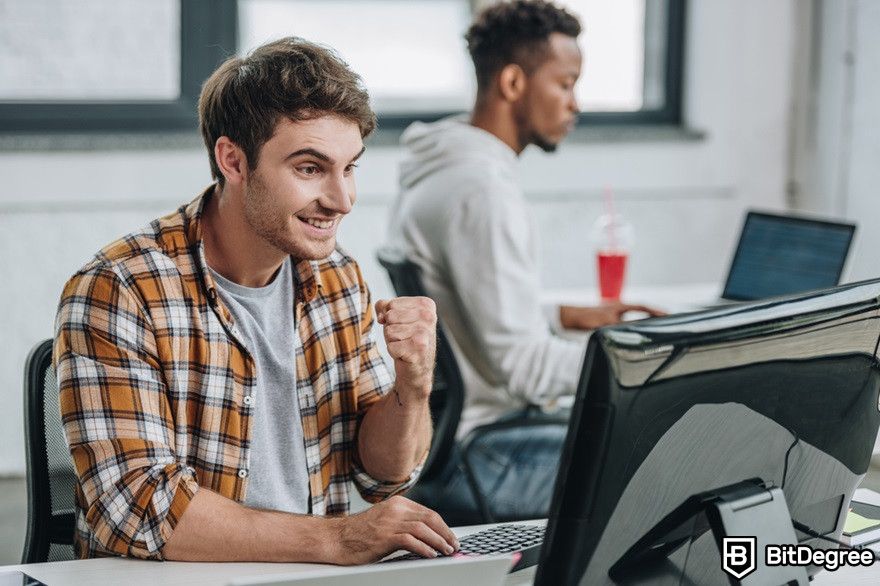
(785, 390)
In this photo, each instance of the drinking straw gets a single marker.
(608, 196)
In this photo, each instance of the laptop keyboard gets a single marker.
(523, 539)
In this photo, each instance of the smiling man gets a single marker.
(220, 387)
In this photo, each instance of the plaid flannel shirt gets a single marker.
(153, 375)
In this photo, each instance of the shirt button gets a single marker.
(242, 473)
(248, 400)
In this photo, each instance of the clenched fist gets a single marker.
(410, 327)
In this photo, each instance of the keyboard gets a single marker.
(523, 540)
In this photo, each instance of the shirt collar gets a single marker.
(306, 273)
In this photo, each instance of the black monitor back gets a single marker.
(678, 405)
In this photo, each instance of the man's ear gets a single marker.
(512, 82)
(230, 160)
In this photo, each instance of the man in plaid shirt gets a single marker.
(220, 387)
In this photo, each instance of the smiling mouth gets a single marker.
(321, 224)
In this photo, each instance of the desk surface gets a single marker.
(113, 571)
(670, 298)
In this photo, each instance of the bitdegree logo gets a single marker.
(738, 557)
(804, 555)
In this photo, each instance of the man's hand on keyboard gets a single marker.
(397, 523)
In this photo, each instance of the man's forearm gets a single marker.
(215, 528)
(394, 436)
(577, 318)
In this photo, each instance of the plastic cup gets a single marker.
(612, 240)
(611, 267)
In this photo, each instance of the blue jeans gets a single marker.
(514, 469)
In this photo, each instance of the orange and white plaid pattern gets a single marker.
(153, 377)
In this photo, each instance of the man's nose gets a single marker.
(338, 195)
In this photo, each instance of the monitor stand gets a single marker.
(744, 518)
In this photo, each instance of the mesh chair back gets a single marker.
(447, 394)
(50, 474)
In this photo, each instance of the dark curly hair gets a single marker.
(291, 77)
(515, 32)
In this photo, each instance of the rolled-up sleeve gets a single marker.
(117, 417)
(375, 381)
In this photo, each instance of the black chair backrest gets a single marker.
(51, 478)
(447, 395)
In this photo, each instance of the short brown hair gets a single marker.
(291, 77)
(515, 32)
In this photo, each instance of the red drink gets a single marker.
(612, 268)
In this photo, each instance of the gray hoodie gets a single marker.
(461, 216)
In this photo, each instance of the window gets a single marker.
(413, 59)
(138, 65)
(108, 65)
(411, 55)
(633, 60)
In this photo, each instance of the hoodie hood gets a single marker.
(430, 147)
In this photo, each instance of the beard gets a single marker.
(544, 144)
(274, 226)
(528, 136)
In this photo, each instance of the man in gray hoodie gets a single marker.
(462, 217)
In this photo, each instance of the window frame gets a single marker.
(670, 114)
(208, 35)
(673, 81)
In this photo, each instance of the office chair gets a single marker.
(51, 479)
(447, 394)
(447, 401)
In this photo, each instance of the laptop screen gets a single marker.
(778, 255)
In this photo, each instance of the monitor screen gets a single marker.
(785, 391)
(779, 255)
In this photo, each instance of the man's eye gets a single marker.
(350, 169)
(309, 170)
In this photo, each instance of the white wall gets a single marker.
(685, 197)
(837, 135)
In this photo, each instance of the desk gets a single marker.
(670, 298)
(114, 571)
(130, 572)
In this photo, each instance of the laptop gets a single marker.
(488, 570)
(784, 254)
(18, 579)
